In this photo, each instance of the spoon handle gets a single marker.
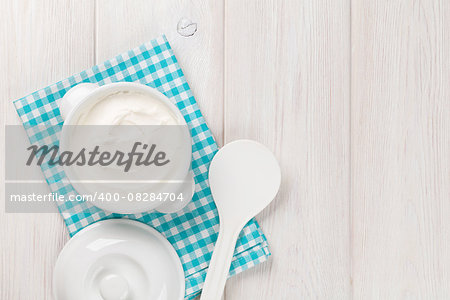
(219, 266)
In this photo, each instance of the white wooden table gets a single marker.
(352, 96)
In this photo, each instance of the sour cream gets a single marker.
(128, 108)
(149, 123)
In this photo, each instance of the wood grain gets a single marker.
(356, 106)
(287, 85)
(41, 42)
(401, 149)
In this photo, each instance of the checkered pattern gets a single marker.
(193, 231)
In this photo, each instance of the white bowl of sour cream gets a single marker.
(126, 148)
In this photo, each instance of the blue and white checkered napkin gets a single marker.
(193, 231)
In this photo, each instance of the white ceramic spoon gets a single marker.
(244, 177)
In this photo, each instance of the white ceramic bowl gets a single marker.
(118, 259)
(86, 95)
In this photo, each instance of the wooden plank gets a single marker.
(123, 25)
(200, 55)
(287, 85)
(41, 42)
(401, 149)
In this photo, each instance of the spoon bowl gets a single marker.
(244, 177)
